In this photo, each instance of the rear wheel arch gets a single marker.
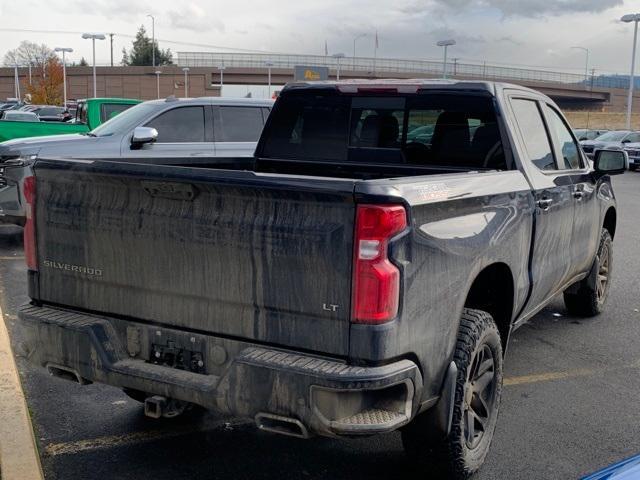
(493, 291)
(610, 219)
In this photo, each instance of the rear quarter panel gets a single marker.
(459, 224)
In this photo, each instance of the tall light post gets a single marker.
(153, 40)
(361, 35)
(158, 72)
(16, 79)
(186, 82)
(222, 68)
(338, 56)
(269, 64)
(94, 37)
(64, 71)
(632, 17)
(586, 63)
(445, 44)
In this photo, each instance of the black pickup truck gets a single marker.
(361, 274)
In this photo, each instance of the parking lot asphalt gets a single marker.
(570, 403)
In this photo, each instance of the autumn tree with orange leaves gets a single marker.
(46, 89)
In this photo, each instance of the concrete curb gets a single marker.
(19, 459)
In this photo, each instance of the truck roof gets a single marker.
(109, 99)
(216, 101)
(410, 84)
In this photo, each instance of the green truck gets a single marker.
(89, 114)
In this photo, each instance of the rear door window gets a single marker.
(534, 133)
(238, 124)
(180, 125)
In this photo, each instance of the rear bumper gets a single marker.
(326, 396)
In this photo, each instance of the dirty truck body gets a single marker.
(321, 290)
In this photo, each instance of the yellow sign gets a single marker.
(311, 75)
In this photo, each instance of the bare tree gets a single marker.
(29, 53)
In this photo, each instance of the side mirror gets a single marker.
(610, 162)
(142, 135)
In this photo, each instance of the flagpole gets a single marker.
(375, 54)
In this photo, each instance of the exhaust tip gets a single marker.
(282, 425)
(66, 373)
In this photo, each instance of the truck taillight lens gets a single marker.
(376, 281)
(29, 190)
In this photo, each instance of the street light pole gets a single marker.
(634, 17)
(158, 72)
(94, 37)
(222, 69)
(269, 64)
(153, 40)
(338, 56)
(186, 82)
(16, 78)
(586, 63)
(354, 47)
(64, 71)
(445, 44)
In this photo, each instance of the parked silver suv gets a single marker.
(172, 131)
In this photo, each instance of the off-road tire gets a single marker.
(588, 297)
(454, 457)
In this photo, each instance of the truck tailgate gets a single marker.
(254, 256)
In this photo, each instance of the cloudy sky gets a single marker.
(519, 32)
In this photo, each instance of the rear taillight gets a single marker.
(376, 281)
(29, 190)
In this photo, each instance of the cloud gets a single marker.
(532, 8)
(510, 39)
(194, 18)
(110, 9)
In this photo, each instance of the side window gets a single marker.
(633, 138)
(533, 133)
(265, 113)
(81, 113)
(238, 124)
(180, 125)
(110, 110)
(563, 139)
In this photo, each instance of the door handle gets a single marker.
(578, 194)
(545, 203)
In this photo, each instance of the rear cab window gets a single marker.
(457, 130)
(110, 110)
(81, 113)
